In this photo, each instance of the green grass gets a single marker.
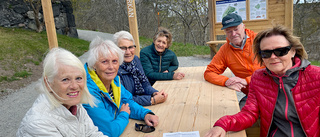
(19, 47)
(179, 48)
(316, 63)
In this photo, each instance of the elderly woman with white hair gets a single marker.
(58, 110)
(114, 102)
(132, 75)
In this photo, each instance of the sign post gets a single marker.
(49, 21)
(132, 16)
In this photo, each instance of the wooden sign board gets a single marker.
(252, 11)
(132, 16)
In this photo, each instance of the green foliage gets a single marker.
(19, 47)
(22, 74)
(316, 63)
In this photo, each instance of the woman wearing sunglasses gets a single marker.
(286, 94)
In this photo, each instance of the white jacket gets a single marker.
(44, 120)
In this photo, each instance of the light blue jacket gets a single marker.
(107, 116)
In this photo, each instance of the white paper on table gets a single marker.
(182, 134)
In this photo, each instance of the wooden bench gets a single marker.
(213, 46)
(193, 104)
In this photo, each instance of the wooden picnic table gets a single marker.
(193, 104)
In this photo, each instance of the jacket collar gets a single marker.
(99, 86)
(298, 65)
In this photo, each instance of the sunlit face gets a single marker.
(107, 68)
(278, 65)
(235, 34)
(161, 43)
(128, 47)
(68, 84)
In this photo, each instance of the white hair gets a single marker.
(98, 48)
(54, 59)
(122, 35)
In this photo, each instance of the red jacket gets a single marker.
(239, 61)
(262, 99)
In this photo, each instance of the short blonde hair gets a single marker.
(98, 48)
(163, 32)
(54, 59)
(283, 31)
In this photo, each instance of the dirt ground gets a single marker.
(7, 88)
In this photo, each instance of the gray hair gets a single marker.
(122, 35)
(54, 59)
(98, 48)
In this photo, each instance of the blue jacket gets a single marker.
(154, 64)
(106, 115)
(127, 81)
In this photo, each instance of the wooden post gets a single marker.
(132, 16)
(213, 47)
(288, 21)
(49, 21)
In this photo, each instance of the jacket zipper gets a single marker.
(160, 63)
(294, 104)
(287, 104)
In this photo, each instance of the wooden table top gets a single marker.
(193, 104)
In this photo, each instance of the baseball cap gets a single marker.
(231, 20)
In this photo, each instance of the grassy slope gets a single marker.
(19, 48)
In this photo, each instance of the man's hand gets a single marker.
(151, 120)
(236, 83)
(216, 132)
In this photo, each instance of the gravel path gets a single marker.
(14, 106)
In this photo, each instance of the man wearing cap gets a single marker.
(236, 54)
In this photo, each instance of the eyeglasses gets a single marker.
(279, 52)
(130, 48)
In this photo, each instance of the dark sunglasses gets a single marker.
(279, 52)
(144, 128)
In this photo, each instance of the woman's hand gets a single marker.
(126, 108)
(216, 132)
(178, 75)
(159, 97)
(151, 120)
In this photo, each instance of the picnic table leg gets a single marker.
(213, 49)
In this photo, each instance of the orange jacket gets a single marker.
(239, 61)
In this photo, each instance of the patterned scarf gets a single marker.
(137, 75)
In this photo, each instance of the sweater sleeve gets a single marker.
(174, 64)
(38, 127)
(103, 119)
(216, 67)
(248, 115)
(137, 111)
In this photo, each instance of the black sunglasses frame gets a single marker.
(279, 52)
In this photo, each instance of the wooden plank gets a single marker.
(49, 22)
(189, 105)
(274, 2)
(132, 16)
(288, 14)
(217, 42)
